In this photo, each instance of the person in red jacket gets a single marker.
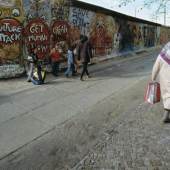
(55, 55)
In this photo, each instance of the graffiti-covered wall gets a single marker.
(11, 18)
(25, 24)
(107, 33)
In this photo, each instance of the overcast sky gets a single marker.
(133, 9)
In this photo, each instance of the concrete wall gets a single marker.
(11, 19)
(45, 22)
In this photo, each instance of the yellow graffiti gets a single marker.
(9, 52)
(12, 8)
(60, 9)
(5, 12)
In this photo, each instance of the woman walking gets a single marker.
(162, 68)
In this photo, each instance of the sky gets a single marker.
(133, 9)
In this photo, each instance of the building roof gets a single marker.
(94, 8)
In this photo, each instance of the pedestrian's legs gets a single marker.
(87, 69)
(55, 68)
(68, 71)
(30, 72)
(84, 70)
(39, 73)
(166, 118)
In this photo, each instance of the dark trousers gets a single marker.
(73, 69)
(55, 68)
(39, 73)
(85, 70)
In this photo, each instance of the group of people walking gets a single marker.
(81, 51)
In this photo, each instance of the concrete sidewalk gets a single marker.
(28, 112)
(28, 115)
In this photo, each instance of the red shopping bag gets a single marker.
(152, 94)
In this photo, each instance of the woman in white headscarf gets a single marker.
(162, 68)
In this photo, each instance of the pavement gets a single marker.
(136, 139)
(29, 112)
(27, 115)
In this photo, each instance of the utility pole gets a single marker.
(164, 13)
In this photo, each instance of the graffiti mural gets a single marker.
(81, 19)
(136, 35)
(10, 41)
(37, 9)
(47, 22)
(11, 8)
(60, 31)
(101, 34)
(10, 47)
(60, 9)
(37, 34)
(123, 35)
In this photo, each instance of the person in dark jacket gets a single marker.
(85, 54)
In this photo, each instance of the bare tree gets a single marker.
(160, 6)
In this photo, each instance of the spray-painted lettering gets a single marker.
(60, 29)
(37, 34)
(9, 32)
(9, 38)
(36, 28)
(80, 17)
(7, 27)
(37, 38)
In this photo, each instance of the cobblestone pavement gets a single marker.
(137, 140)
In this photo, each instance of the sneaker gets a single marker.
(166, 117)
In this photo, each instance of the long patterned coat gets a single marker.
(161, 70)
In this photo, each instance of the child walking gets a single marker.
(55, 55)
(70, 62)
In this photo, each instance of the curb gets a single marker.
(120, 56)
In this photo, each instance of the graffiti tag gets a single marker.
(60, 30)
(10, 31)
(37, 35)
(80, 18)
